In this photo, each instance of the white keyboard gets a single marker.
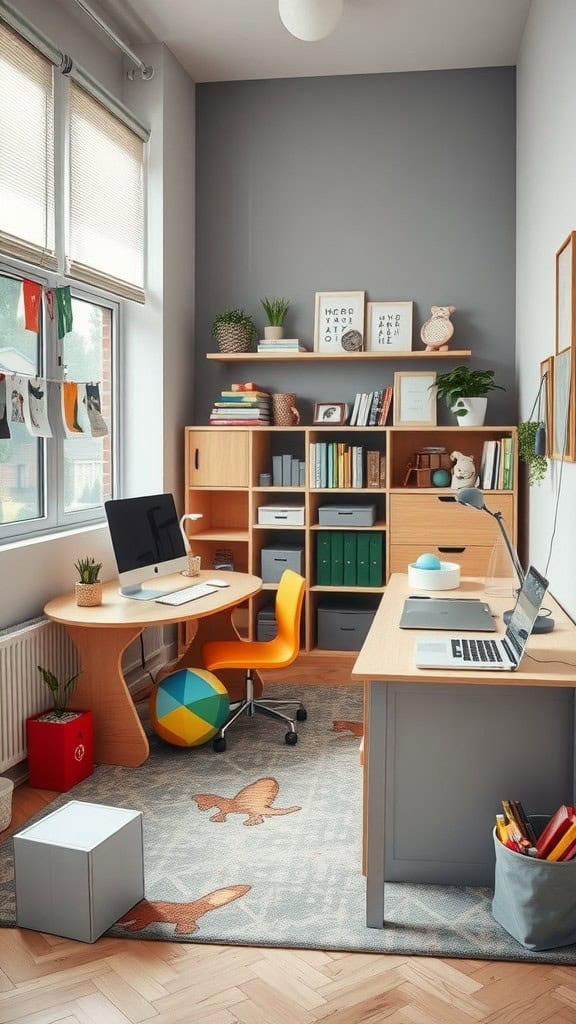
(188, 594)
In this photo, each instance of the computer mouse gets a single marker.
(217, 583)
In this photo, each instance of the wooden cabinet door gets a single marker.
(218, 458)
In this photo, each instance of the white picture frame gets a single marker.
(414, 403)
(389, 326)
(339, 322)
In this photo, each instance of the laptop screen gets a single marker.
(528, 604)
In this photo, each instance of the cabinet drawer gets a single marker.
(441, 520)
(472, 559)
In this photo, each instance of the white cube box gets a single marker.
(281, 515)
(78, 870)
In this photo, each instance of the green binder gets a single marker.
(350, 556)
(323, 559)
(337, 560)
(375, 559)
(363, 560)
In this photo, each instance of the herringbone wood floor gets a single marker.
(44, 979)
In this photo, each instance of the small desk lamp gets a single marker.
(193, 563)
(474, 498)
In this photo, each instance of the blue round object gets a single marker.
(427, 562)
(441, 478)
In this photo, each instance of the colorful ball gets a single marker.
(441, 477)
(428, 561)
(189, 707)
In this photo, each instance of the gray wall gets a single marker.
(402, 185)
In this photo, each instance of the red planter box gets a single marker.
(60, 754)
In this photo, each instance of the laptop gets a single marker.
(477, 653)
(447, 613)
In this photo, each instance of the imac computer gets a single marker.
(147, 541)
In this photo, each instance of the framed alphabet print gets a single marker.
(339, 322)
(546, 414)
(389, 326)
(414, 402)
(566, 294)
(563, 415)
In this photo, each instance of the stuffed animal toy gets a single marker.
(463, 471)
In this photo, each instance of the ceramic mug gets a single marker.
(284, 411)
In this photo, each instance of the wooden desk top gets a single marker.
(388, 651)
(122, 612)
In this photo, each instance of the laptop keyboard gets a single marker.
(476, 650)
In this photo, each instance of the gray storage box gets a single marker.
(343, 629)
(278, 557)
(78, 870)
(535, 900)
(281, 515)
(266, 625)
(346, 515)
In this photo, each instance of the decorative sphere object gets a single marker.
(441, 478)
(427, 562)
(189, 707)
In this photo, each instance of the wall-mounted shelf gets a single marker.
(279, 357)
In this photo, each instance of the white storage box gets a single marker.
(281, 515)
(78, 870)
(347, 515)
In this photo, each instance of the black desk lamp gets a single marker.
(474, 498)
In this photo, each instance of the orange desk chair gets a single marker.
(273, 654)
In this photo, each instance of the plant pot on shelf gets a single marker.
(88, 595)
(60, 749)
(272, 333)
(233, 338)
(470, 412)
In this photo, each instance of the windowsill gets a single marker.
(43, 538)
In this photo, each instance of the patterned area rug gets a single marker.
(261, 845)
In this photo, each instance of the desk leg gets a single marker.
(118, 734)
(376, 802)
(213, 627)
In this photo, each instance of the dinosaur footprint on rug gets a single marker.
(254, 800)
(184, 915)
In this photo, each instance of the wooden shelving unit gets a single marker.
(279, 357)
(222, 470)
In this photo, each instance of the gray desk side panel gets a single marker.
(452, 754)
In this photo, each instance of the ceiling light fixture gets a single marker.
(310, 20)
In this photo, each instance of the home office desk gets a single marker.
(443, 748)
(102, 634)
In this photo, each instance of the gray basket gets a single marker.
(234, 338)
(535, 900)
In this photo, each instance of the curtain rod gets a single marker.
(146, 71)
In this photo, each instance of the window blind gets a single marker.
(105, 230)
(26, 152)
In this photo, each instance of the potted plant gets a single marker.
(59, 739)
(537, 464)
(464, 391)
(88, 589)
(234, 331)
(275, 310)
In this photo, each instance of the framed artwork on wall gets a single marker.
(566, 294)
(339, 322)
(389, 326)
(563, 407)
(330, 412)
(547, 400)
(414, 402)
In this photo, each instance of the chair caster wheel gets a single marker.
(301, 715)
(291, 738)
(219, 744)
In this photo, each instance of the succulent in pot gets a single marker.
(89, 587)
(275, 310)
(234, 331)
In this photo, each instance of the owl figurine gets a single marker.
(437, 331)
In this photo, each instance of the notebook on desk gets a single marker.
(447, 613)
(502, 655)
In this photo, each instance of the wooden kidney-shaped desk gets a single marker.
(102, 634)
(443, 748)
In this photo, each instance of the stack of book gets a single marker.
(244, 404)
(496, 466)
(339, 465)
(280, 345)
(371, 409)
(557, 841)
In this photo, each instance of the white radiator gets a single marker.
(22, 691)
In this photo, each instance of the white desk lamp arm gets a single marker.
(189, 515)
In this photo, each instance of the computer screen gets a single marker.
(528, 604)
(147, 541)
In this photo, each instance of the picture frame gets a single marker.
(339, 322)
(547, 400)
(330, 413)
(565, 299)
(414, 403)
(389, 326)
(562, 446)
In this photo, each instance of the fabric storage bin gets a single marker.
(347, 515)
(343, 629)
(278, 557)
(535, 900)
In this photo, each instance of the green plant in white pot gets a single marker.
(465, 393)
(275, 310)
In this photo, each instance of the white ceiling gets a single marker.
(228, 40)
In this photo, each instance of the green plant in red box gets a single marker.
(60, 739)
